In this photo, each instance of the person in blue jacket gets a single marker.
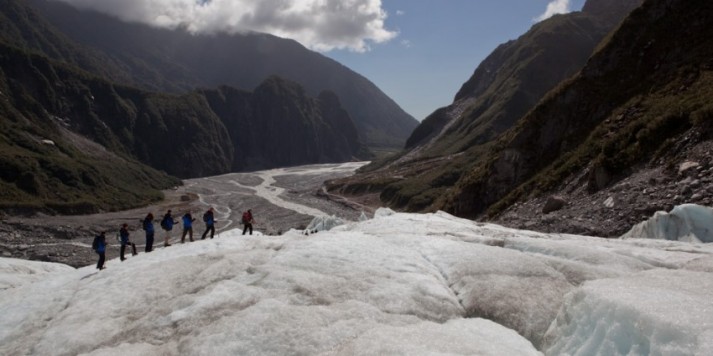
(148, 227)
(187, 227)
(209, 223)
(99, 246)
(167, 225)
(124, 240)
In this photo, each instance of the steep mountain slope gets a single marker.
(511, 81)
(46, 166)
(176, 61)
(642, 103)
(504, 87)
(66, 133)
(278, 125)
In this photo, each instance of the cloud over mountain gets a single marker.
(319, 25)
(553, 8)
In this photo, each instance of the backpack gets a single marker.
(246, 217)
(95, 243)
(205, 217)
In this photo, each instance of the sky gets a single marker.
(438, 45)
(396, 283)
(419, 52)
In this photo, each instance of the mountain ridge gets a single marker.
(157, 59)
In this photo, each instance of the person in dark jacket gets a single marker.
(148, 227)
(209, 223)
(124, 240)
(187, 227)
(167, 225)
(248, 221)
(99, 246)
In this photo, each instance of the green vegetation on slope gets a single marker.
(42, 169)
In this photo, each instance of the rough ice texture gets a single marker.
(688, 222)
(397, 284)
(323, 223)
(656, 312)
(14, 273)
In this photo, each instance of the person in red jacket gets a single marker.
(248, 221)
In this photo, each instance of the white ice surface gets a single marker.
(688, 222)
(397, 284)
(14, 273)
(656, 312)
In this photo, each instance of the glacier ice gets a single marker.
(14, 272)
(656, 312)
(323, 223)
(687, 222)
(396, 284)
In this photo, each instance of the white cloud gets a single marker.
(317, 24)
(553, 8)
(406, 43)
(400, 12)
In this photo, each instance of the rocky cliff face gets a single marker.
(176, 61)
(279, 125)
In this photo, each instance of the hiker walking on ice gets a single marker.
(167, 225)
(248, 221)
(187, 227)
(124, 240)
(147, 225)
(99, 246)
(209, 221)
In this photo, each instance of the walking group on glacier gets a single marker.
(99, 244)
